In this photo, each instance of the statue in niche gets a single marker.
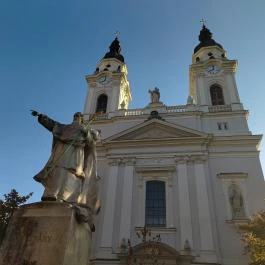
(236, 201)
(70, 173)
(155, 95)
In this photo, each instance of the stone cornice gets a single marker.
(227, 114)
(121, 161)
(148, 169)
(189, 158)
(158, 142)
(232, 175)
(230, 65)
(253, 140)
(114, 75)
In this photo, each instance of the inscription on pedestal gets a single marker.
(36, 238)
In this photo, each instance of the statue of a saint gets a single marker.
(70, 173)
(155, 95)
(236, 202)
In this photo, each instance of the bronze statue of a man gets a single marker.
(70, 173)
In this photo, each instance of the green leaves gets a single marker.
(253, 235)
(11, 201)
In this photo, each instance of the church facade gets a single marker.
(176, 180)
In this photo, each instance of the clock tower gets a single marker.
(212, 74)
(109, 88)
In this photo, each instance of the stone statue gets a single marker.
(190, 100)
(155, 95)
(70, 173)
(236, 201)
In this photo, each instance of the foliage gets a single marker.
(253, 235)
(11, 201)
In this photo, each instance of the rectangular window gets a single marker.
(155, 205)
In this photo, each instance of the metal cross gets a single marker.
(116, 33)
(203, 21)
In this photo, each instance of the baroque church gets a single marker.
(175, 180)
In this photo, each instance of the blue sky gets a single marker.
(47, 47)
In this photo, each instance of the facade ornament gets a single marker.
(124, 246)
(236, 201)
(130, 161)
(154, 115)
(155, 95)
(190, 100)
(187, 246)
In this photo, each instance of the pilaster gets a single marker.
(184, 203)
(206, 235)
(126, 204)
(109, 205)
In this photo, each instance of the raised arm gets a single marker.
(44, 120)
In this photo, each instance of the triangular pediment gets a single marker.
(156, 129)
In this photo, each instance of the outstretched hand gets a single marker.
(34, 113)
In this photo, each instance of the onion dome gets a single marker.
(114, 51)
(206, 40)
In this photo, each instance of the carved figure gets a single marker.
(155, 95)
(190, 100)
(236, 201)
(70, 173)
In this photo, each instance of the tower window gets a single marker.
(102, 103)
(217, 97)
(155, 205)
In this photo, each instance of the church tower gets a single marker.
(109, 88)
(212, 75)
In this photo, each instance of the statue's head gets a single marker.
(78, 117)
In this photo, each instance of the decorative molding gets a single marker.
(151, 169)
(155, 173)
(188, 158)
(122, 161)
(232, 175)
(237, 221)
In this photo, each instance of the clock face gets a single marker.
(213, 69)
(103, 79)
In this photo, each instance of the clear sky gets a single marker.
(47, 47)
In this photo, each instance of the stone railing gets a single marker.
(180, 108)
(162, 110)
(220, 108)
(134, 112)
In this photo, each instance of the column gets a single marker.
(109, 205)
(126, 206)
(184, 204)
(206, 236)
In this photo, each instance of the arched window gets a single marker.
(217, 97)
(102, 103)
(155, 205)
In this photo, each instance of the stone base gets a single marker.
(46, 233)
(155, 105)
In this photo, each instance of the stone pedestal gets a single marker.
(46, 233)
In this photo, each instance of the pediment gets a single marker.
(156, 129)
